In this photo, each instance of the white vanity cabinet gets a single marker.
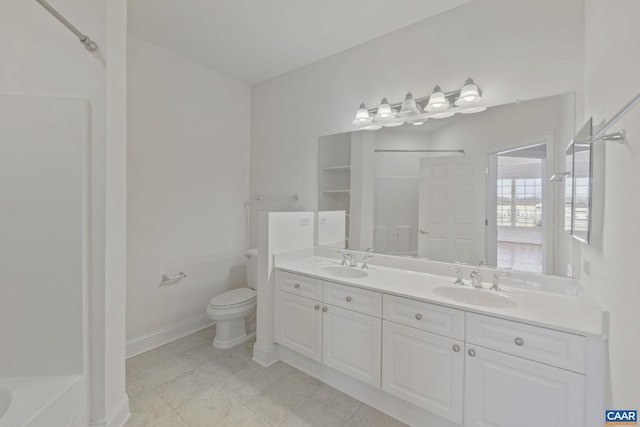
(335, 324)
(298, 314)
(506, 384)
(419, 366)
(351, 343)
(437, 365)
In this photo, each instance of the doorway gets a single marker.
(520, 208)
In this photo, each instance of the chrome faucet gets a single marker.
(495, 279)
(459, 280)
(475, 279)
(366, 257)
(348, 259)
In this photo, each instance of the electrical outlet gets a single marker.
(304, 221)
(586, 267)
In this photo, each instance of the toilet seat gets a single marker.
(233, 298)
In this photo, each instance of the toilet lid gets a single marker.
(233, 297)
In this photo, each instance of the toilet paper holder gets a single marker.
(166, 279)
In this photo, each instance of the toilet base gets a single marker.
(230, 333)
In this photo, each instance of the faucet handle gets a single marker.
(496, 278)
(365, 258)
(458, 271)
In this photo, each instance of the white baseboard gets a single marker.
(167, 334)
(116, 418)
(266, 358)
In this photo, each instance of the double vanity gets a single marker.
(434, 353)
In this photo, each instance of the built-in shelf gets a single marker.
(336, 191)
(340, 168)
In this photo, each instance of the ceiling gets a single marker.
(255, 40)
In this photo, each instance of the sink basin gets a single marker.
(475, 297)
(344, 272)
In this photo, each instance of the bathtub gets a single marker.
(42, 401)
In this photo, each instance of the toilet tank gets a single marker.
(252, 268)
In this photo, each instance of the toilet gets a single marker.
(231, 309)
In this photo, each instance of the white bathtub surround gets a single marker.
(44, 255)
(331, 319)
(42, 401)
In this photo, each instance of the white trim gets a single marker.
(167, 334)
(117, 418)
(268, 357)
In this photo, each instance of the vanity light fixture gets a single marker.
(362, 116)
(437, 101)
(409, 107)
(437, 105)
(469, 94)
(443, 115)
(385, 112)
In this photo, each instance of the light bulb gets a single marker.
(409, 107)
(362, 116)
(384, 111)
(469, 94)
(437, 100)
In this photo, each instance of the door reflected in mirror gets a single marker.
(485, 200)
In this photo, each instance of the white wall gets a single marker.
(515, 50)
(188, 181)
(40, 57)
(611, 80)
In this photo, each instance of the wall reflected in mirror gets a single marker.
(492, 205)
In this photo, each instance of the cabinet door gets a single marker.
(506, 391)
(351, 344)
(299, 324)
(424, 369)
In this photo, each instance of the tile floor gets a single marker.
(188, 382)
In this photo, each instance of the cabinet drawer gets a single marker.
(356, 299)
(561, 349)
(299, 285)
(428, 317)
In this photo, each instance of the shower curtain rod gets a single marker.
(89, 44)
(419, 151)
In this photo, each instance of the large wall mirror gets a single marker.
(469, 188)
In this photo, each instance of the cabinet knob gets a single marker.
(297, 285)
(418, 316)
(472, 353)
(519, 341)
(317, 306)
(348, 299)
(324, 309)
(456, 348)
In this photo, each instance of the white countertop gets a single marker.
(574, 314)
